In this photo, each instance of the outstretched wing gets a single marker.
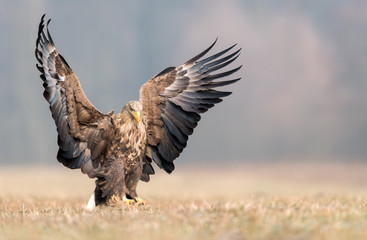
(174, 99)
(83, 131)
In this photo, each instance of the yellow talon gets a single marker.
(128, 201)
(140, 201)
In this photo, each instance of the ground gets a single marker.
(247, 201)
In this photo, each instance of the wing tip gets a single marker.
(216, 39)
(194, 59)
(42, 39)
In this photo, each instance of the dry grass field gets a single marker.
(276, 201)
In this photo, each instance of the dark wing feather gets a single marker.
(83, 131)
(173, 100)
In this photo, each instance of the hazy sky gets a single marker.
(302, 93)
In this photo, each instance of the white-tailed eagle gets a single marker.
(119, 149)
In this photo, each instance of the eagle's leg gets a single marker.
(131, 180)
(98, 194)
(110, 184)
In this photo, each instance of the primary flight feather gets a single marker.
(119, 149)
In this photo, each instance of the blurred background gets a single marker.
(302, 96)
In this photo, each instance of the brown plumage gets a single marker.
(118, 149)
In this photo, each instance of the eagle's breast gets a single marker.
(130, 142)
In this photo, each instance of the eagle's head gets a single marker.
(135, 109)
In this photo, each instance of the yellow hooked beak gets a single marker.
(136, 115)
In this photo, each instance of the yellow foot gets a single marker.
(140, 201)
(128, 201)
(114, 200)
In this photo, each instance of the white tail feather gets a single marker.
(91, 203)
